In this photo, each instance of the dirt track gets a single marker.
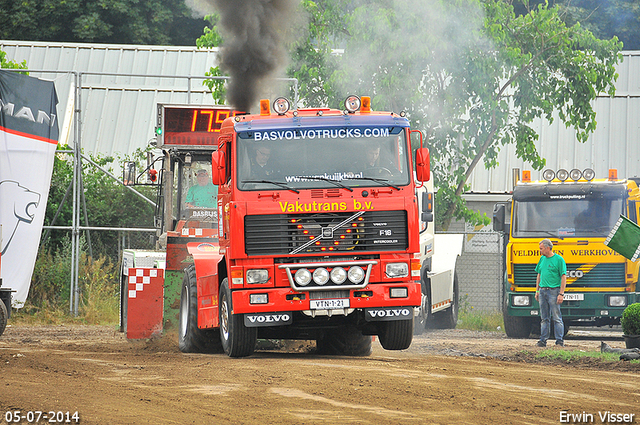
(445, 377)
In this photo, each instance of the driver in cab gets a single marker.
(260, 166)
(204, 194)
(373, 165)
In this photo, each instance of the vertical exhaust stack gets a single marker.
(253, 50)
(515, 176)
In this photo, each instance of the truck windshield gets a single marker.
(308, 158)
(566, 218)
(197, 198)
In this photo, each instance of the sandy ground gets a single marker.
(445, 377)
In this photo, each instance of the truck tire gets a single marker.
(515, 326)
(396, 334)
(346, 341)
(421, 320)
(448, 319)
(237, 339)
(191, 339)
(3, 317)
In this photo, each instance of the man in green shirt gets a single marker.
(550, 286)
(203, 194)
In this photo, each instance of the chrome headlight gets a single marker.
(521, 300)
(257, 276)
(588, 174)
(303, 277)
(617, 301)
(397, 270)
(338, 275)
(281, 105)
(320, 275)
(352, 103)
(356, 274)
(562, 174)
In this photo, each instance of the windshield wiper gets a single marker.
(281, 184)
(337, 183)
(377, 180)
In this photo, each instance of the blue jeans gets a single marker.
(550, 310)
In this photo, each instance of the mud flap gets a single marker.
(388, 313)
(281, 318)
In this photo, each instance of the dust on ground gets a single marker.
(446, 376)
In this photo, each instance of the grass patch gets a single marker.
(481, 322)
(48, 300)
(570, 356)
(474, 321)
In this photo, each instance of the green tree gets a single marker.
(108, 204)
(537, 66)
(316, 55)
(604, 18)
(162, 22)
(473, 76)
(4, 63)
(211, 39)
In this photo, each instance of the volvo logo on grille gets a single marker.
(388, 313)
(267, 319)
(327, 232)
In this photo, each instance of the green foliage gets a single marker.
(99, 283)
(51, 278)
(313, 57)
(210, 39)
(473, 79)
(100, 21)
(48, 301)
(605, 19)
(4, 63)
(570, 356)
(108, 204)
(471, 320)
(630, 319)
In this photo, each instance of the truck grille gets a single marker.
(284, 234)
(601, 276)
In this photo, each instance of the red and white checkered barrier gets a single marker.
(145, 304)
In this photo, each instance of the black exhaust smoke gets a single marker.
(253, 50)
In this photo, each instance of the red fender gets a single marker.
(207, 258)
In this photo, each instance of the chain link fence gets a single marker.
(110, 243)
(480, 270)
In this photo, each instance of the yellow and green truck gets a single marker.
(576, 212)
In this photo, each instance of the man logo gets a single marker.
(575, 274)
(19, 205)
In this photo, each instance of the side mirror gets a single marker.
(218, 170)
(129, 173)
(423, 165)
(499, 213)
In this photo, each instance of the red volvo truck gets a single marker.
(317, 233)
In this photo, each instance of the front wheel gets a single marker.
(421, 320)
(396, 334)
(192, 339)
(515, 326)
(237, 339)
(4, 315)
